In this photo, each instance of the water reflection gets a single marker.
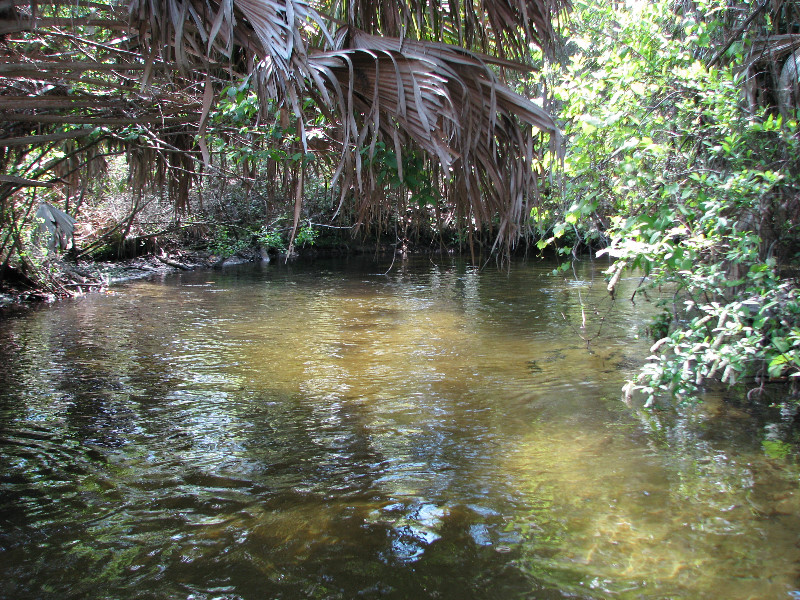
(333, 432)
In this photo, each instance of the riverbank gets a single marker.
(72, 279)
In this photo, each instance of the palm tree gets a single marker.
(421, 77)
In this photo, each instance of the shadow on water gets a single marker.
(327, 431)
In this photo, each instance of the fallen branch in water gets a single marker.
(173, 263)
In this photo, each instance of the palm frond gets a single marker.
(447, 102)
(505, 27)
(167, 59)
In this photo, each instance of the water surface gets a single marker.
(334, 430)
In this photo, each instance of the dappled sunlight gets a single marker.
(629, 516)
(429, 429)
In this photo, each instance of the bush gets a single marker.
(687, 187)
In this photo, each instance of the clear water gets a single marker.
(335, 431)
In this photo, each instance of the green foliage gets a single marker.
(237, 106)
(270, 239)
(261, 133)
(226, 243)
(306, 236)
(687, 187)
(635, 100)
(416, 175)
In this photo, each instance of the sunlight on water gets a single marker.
(689, 525)
(328, 431)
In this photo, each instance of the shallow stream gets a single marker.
(334, 430)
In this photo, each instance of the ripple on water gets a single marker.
(440, 431)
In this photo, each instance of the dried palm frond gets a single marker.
(772, 48)
(166, 60)
(449, 103)
(505, 27)
(57, 84)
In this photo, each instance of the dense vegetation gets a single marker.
(682, 164)
(386, 115)
(678, 160)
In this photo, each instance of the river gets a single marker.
(353, 429)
